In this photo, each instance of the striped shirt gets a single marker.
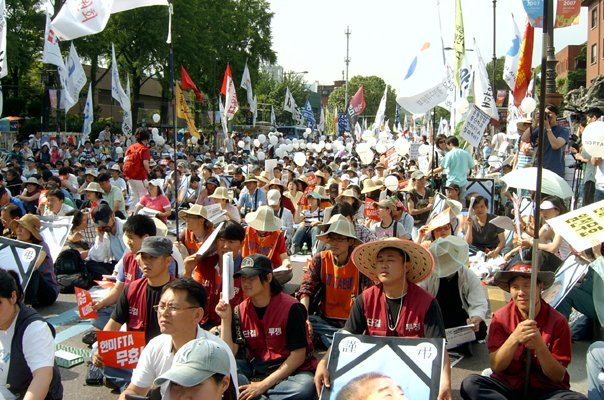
(47, 269)
(310, 217)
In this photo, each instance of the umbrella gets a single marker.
(526, 178)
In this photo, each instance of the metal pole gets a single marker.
(175, 135)
(347, 60)
(494, 44)
(547, 26)
(215, 99)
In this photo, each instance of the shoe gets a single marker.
(465, 349)
(89, 338)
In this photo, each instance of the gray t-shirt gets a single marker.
(590, 169)
(383, 233)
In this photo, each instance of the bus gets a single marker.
(292, 132)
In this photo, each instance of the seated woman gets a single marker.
(480, 233)
(352, 195)
(285, 200)
(42, 289)
(457, 289)
(293, 193)
(156, 201)
(30, 369)
(221, 196)
(30, 195)
(311, 217)
(94, 196)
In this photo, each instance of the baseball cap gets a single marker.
(254, 265)
(195, 362)
(212, 180)
(386, 204)
(417, 175)
(101, 214)
(156, 246)
(273, 197)
(31, 159)
(453, 186)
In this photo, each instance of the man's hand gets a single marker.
(493, 253)
(445, 393)
(190, 264)
(251, 391)
(595, 246)
(476, 320)
(97, 360)
(321, 376)
(525, 331)
(223, 310)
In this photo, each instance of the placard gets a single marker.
(19, 257)
(438, 206)
(311, 179)
(369, 210)
(459, 335)
(410, 365)
(481, 187)
(228, 270)
(567, 275)
(269, 165)
(578, 227)
(84, 301)
(55, 230)
(120, 349)
(391, 158)
(303, 200)
(414, 151)
(474, 126)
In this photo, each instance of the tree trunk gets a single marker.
(136, 91)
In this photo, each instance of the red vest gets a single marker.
(131, 267)
(266, 339)
(341, 286)
(137, 305)
(411, 323)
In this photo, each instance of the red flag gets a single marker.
(523, 77)
(356, 106)
(227, 74)
(187, 83)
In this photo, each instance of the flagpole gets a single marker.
(537, 212)
(174, 120)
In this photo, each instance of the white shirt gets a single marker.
(157, 358)
(246, 140)
(38, 349)
(119, 182)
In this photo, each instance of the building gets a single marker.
(274, 71)
(595, 38)
(326, 90)
(567, 61)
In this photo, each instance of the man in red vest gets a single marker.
(397, 306)
(135, 304)
(272, 327)
(511, 333)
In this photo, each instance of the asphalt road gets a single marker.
(70, 328)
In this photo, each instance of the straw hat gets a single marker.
(302, 178)
(322, 192)
(197, 210)
(278, 183)
(321, 174)
(264, 177)
(115, 167)
(369, 186)
(350, 193)
(92, 171)
(522, 268)
(250, 178)
(450, 254)
(32, 181)
(520, 124)
(340, 225)
(221, 193)
(263, 220)
(93, 187)
(331, 181)
(422, 263)
(29, 222)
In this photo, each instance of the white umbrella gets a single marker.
(526, 178)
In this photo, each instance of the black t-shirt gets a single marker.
(450, 302)
(420, 202)
(120, 314)
(434, 326)
(296, 326)
(487, 236)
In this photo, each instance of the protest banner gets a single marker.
(120, 349)
(19, 257)
(84, 301)
(391, 158)
(413, 364)
(311, 179)
(55, 230)
(473, 129)
(369, 210)
(402, 184)
(567, 276)
(303, 200)
(578, 227)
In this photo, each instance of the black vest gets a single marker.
(19, 375)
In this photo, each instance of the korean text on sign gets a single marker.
(120, 349)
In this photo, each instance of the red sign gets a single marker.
(402, 184)
(370, 211)
(42, 198)
(500, 97)
(311, 180)
(391, 158)
(120, 349)
(303, 200)
(85, 303)
(567, 13)
(341, 188)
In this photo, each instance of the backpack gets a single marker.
(133, 162)
(71, 272)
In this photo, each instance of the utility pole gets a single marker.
(347, 61)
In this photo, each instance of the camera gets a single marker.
(547, 115)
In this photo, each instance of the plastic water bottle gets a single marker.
(305, 249)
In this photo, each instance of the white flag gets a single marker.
(223, 118)
(117, 92)
(246, 83)
(3, 64)
(273, 118)
(321, 126)
(232, 105)
(127, 118)
(87, 17)
(289, 104)
(88, 115)
(52, 52)
(76, 77)
(483, 92)
(381, 112)
(512, 56)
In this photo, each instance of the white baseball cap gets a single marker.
(273, 197)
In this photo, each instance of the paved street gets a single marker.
(70, 328)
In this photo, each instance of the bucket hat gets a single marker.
(450, 254)
(339, 225)
(263, 220)
(29, 222)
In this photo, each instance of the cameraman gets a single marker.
(555, 139)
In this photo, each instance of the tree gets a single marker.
(272, 92)
(500, 84)
(373, 89)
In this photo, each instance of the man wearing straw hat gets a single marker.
(332, 280)
(511, 333)
(397, 306)
(253, 198)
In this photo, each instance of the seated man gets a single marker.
(9, 212)
(107, 223)
(272, 327)
(180, 310)
(134, 307)
(397, 306)
(511, 333)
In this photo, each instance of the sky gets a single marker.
(386, 34)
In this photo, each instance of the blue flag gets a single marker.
(309, 115)
(343, 124)
(397, 116)
(534, 11)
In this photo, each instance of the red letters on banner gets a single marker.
(402, 184)
(303, 200)
(391, 157)
(120, 349)
(85, 303)
(311, 180)
(370, 210)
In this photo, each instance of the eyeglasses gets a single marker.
(337, 239)
(160, 308)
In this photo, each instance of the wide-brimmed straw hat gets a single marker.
(250, 178)
(322, 192)
(422, 262)
(263, 220)
(302, 178)
(370, 186)
(32, 181)
(450, 254)
(277, 182)
(340, 225)
(29, 222)
(93, 187)
(350, 193)
(522, 268)
(220, 193)
(520, 124)
(196, 209)
(264, 177)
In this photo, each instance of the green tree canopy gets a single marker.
(271, 91)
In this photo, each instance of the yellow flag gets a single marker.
(182, 111)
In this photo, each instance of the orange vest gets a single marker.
(341, 286)
(253, 244)
(193, 245)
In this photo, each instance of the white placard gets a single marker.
(269, 165)
(578, 227)
(55, 230)
(19, 257)
(228, 284)
(473, 129)
(205, 247)
(414, 151)
(459, 335)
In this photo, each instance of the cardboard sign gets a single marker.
(578, 227)
(311, 179)
(85, 304)
(410, 365)
(473, 129)
(55, 230)
(369, 210)
(414, 151)
(19, 257)
(303, 200)
(120, 349)
(391, 158)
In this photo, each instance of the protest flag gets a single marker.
(356, 106)
(88, 114)
(228, 89)
(512, 56)
(524, 64)
(309, 115)
(182, 111)
(483, 91)
(187, 83)
(459, 43)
